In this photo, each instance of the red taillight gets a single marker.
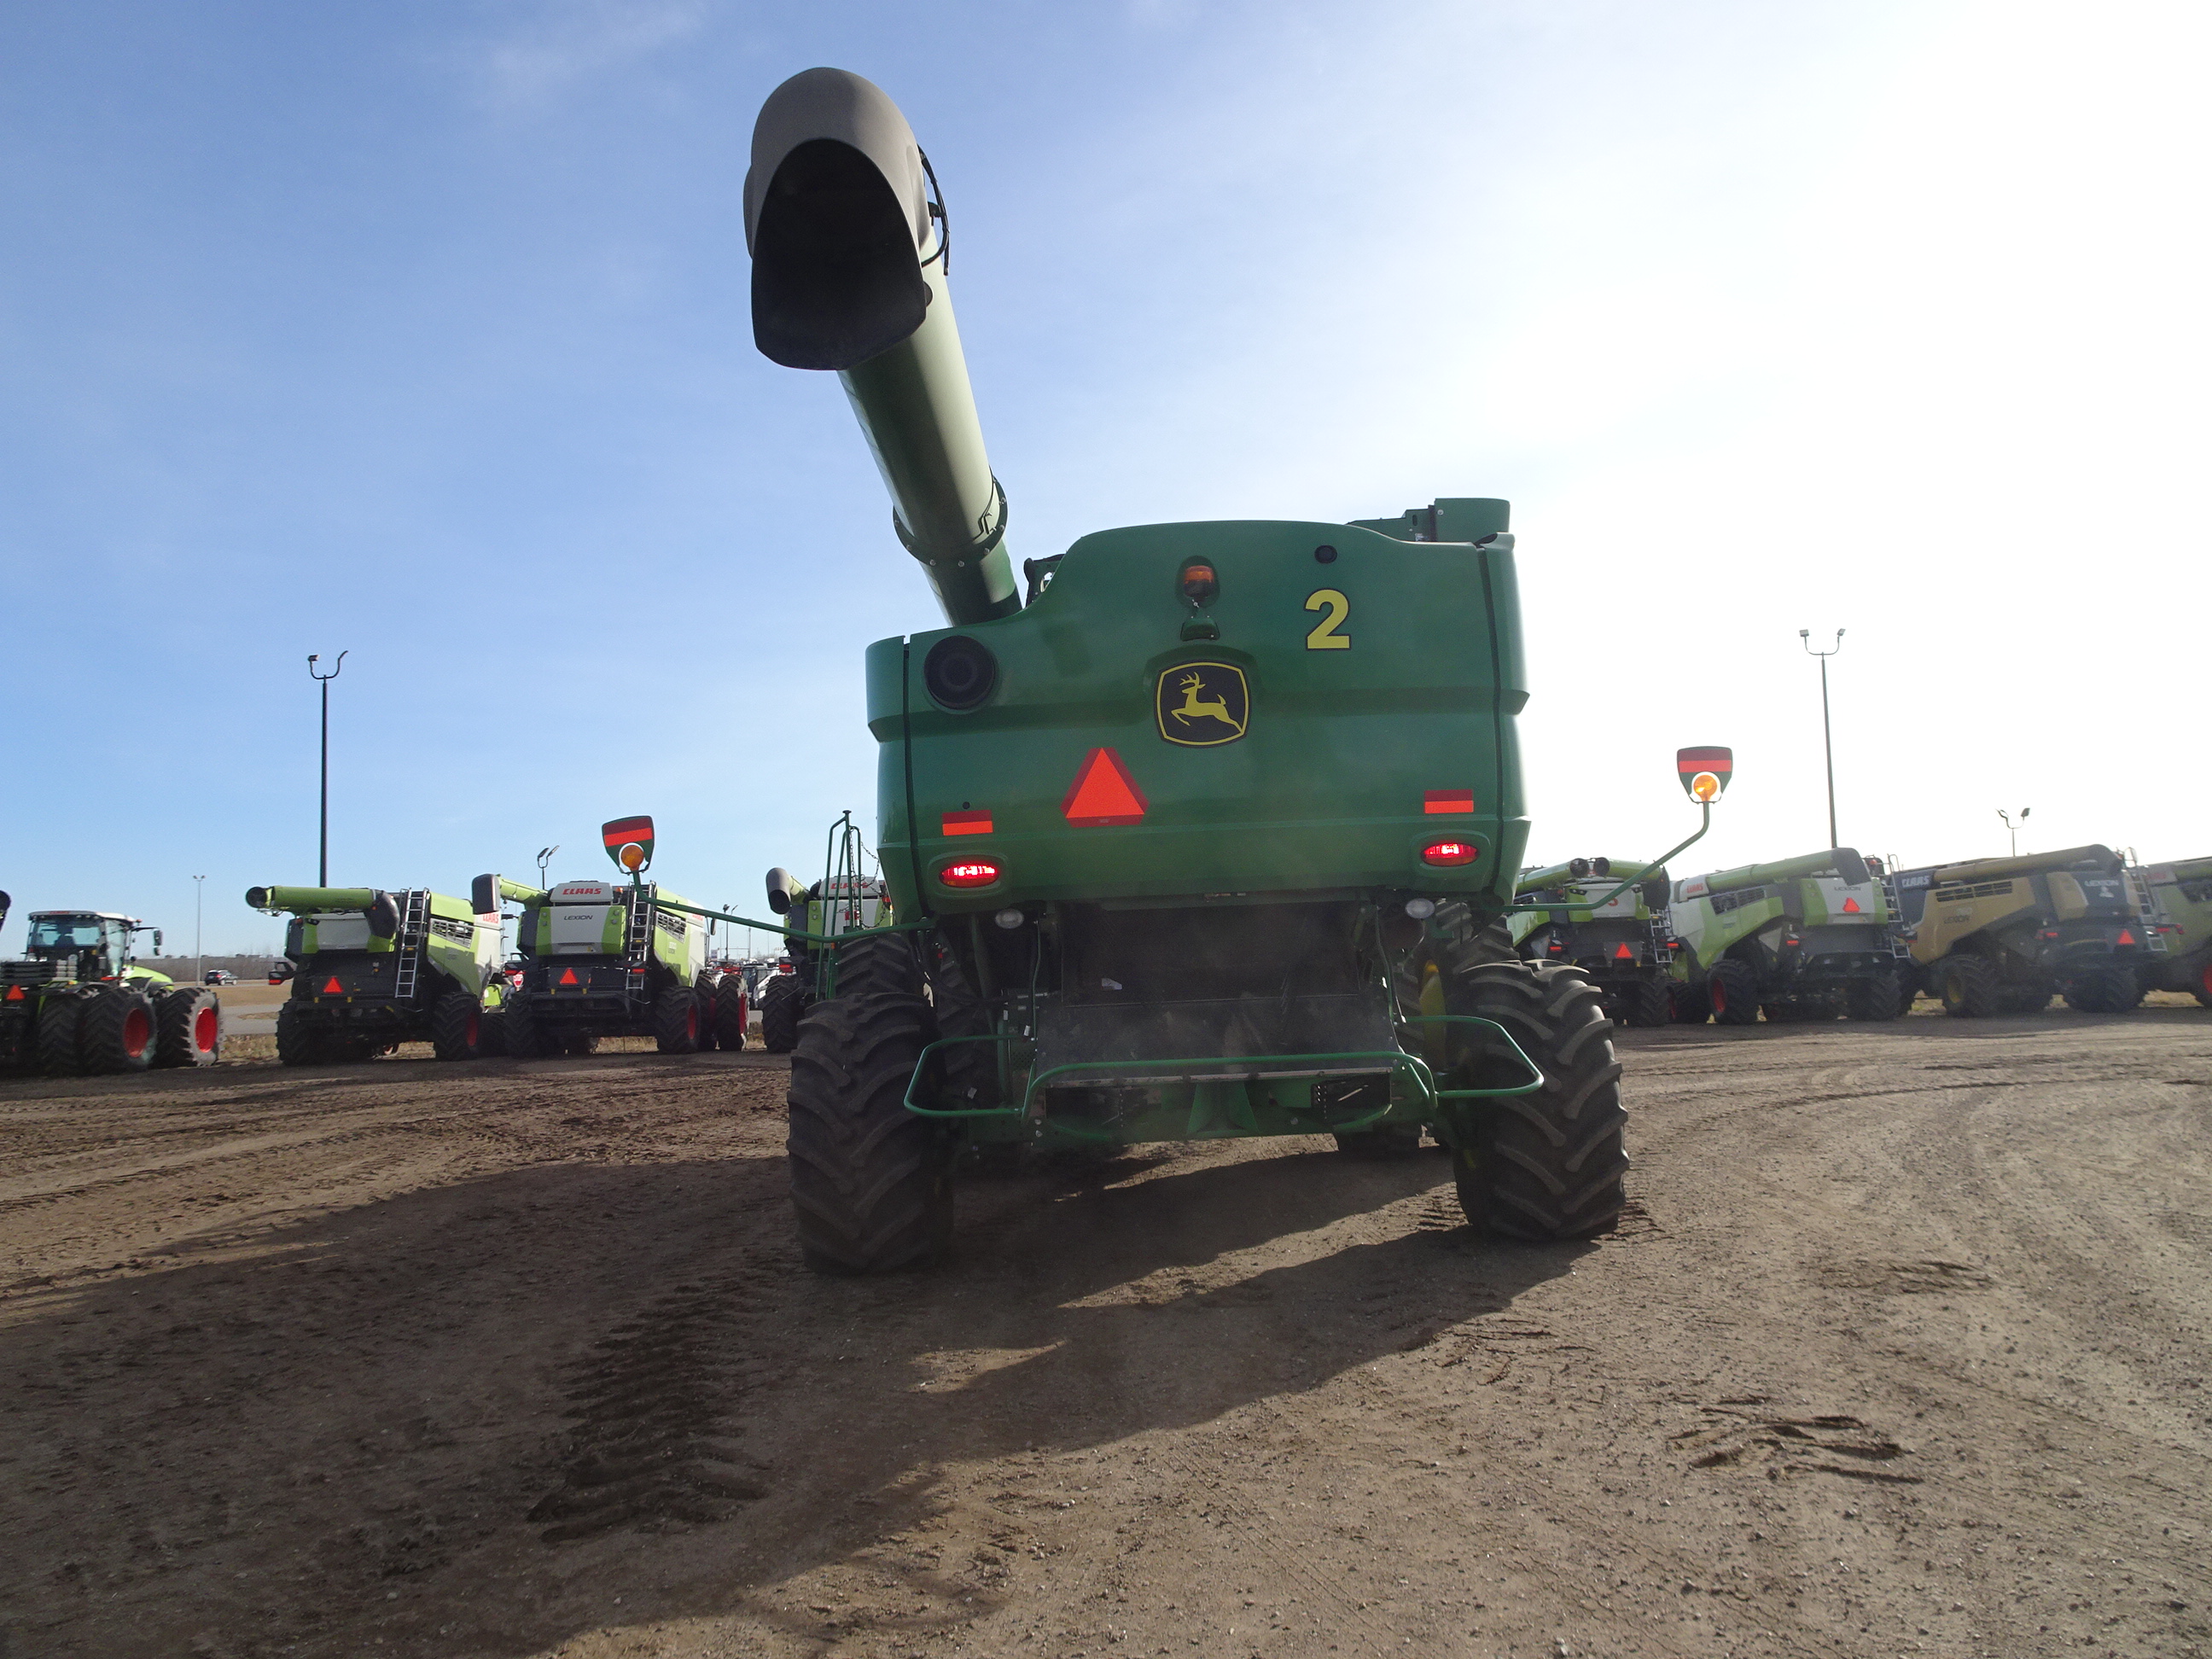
(970, 872)
(1449, 852)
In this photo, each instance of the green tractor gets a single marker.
(1620, 946)
(2001, 936)
(373, 970)
(1804, 938)
(78, 1002)
(2181, 895)
(606, 959)
(851, 897)
(1205, 830)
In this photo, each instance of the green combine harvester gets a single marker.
(78, 1002)
(373, 970)
(606, 959)
(1620, 944)
(2001, 936)
(849, 898)
(1805, 939)
(1205, 830)
(2181, 895)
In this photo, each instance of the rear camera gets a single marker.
(1324, 554)
(959, 673)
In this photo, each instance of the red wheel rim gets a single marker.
(476, 1016)
(691, 1021)
(204, 1026)
(137, 1032)
(1720, 996)
(2206, 979)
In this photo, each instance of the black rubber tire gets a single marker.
(879, 964)
(526, 1036)
(117, 1031)
(1969, 987)
(1876, 997)
(783, 999)
(190, 1018)
(56, 1040)
(2108, 988)
(580, 1043)
(1643, 1004)
(2201, 987)
(456, 1027)
(297, 1042)
(2023, 998)
(731, 1013)
(1545, 1166)
(703, 988)
(1387, 1140)
(967, 1071)
(491, 1040)
(870, 1183)
(1688, 1004)
(1732, 990)
(676, 1020)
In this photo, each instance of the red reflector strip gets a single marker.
(970, 872)
(1449, 852)
(1447, 800)
(967, 824)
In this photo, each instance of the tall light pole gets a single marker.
(1827, 742)
(200, 961)
(545, 857)
(2012, 830)
(323, 862)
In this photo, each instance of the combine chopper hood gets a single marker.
(381, 909)
(1843, 863)
(849, 257)
(2102, 859)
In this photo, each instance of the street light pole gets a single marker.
(1828, 741)
(545, 857)
(199, 960)
(2012, 830)
(322, 860)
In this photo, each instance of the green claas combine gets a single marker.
(1214, 835)
(849, 898)
(2181, 895)
(374, 969)
(1620, 944)
(2001, 936)
(605, 958)
(79, 1002)
(1806, 937)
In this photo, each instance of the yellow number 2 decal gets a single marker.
(1324, 636)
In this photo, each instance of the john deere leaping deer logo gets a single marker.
(1200, 704)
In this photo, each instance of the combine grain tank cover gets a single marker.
(837, 222)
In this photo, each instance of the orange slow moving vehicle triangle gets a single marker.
(1851, 906)
(333, 988)
(1103, 792)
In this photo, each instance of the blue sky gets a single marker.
(419, 331)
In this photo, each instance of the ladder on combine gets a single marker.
(2156, 928)
(413, 921)
(637, 940)
(1898, 947)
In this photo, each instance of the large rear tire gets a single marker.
(1876, 997)
(2202, 990)
(191, 1027)
(456, 1027)
(783, 999)
(115, 1030)
(1688, 1004)
(879, 964)
(2023, 998)
(526, 1037)
(1548, 1164)
(676, 1020)
(2108, 989)
(1643, 1004)
(1969, 989)
(1732, 989)
(297, 1042)
(731, 1014)
(57, 1033)
(703, 988)
(872, 1183)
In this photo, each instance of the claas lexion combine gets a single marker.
(79, 1002)
(1621, 943)
(373, 970)
(2180, 895)
(1800, 939)
(1215, 835)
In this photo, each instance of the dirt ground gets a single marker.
(1902, 1349)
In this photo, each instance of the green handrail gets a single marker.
(1535, 1072)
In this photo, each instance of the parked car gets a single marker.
(219, 976)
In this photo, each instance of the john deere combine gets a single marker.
(1620, 941)
(1999, 936)
(2181, 895)
(373, 970)
(79, 1002)
(610, 958)
(1163, 843)
(1807, 938)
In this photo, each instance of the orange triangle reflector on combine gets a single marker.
(2126, 937)
(333, 988)
(1622, 951)
(1103, 792)
(15, 993)
(1851, 906)
(569, 978)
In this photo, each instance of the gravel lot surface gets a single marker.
(1905, 1347)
